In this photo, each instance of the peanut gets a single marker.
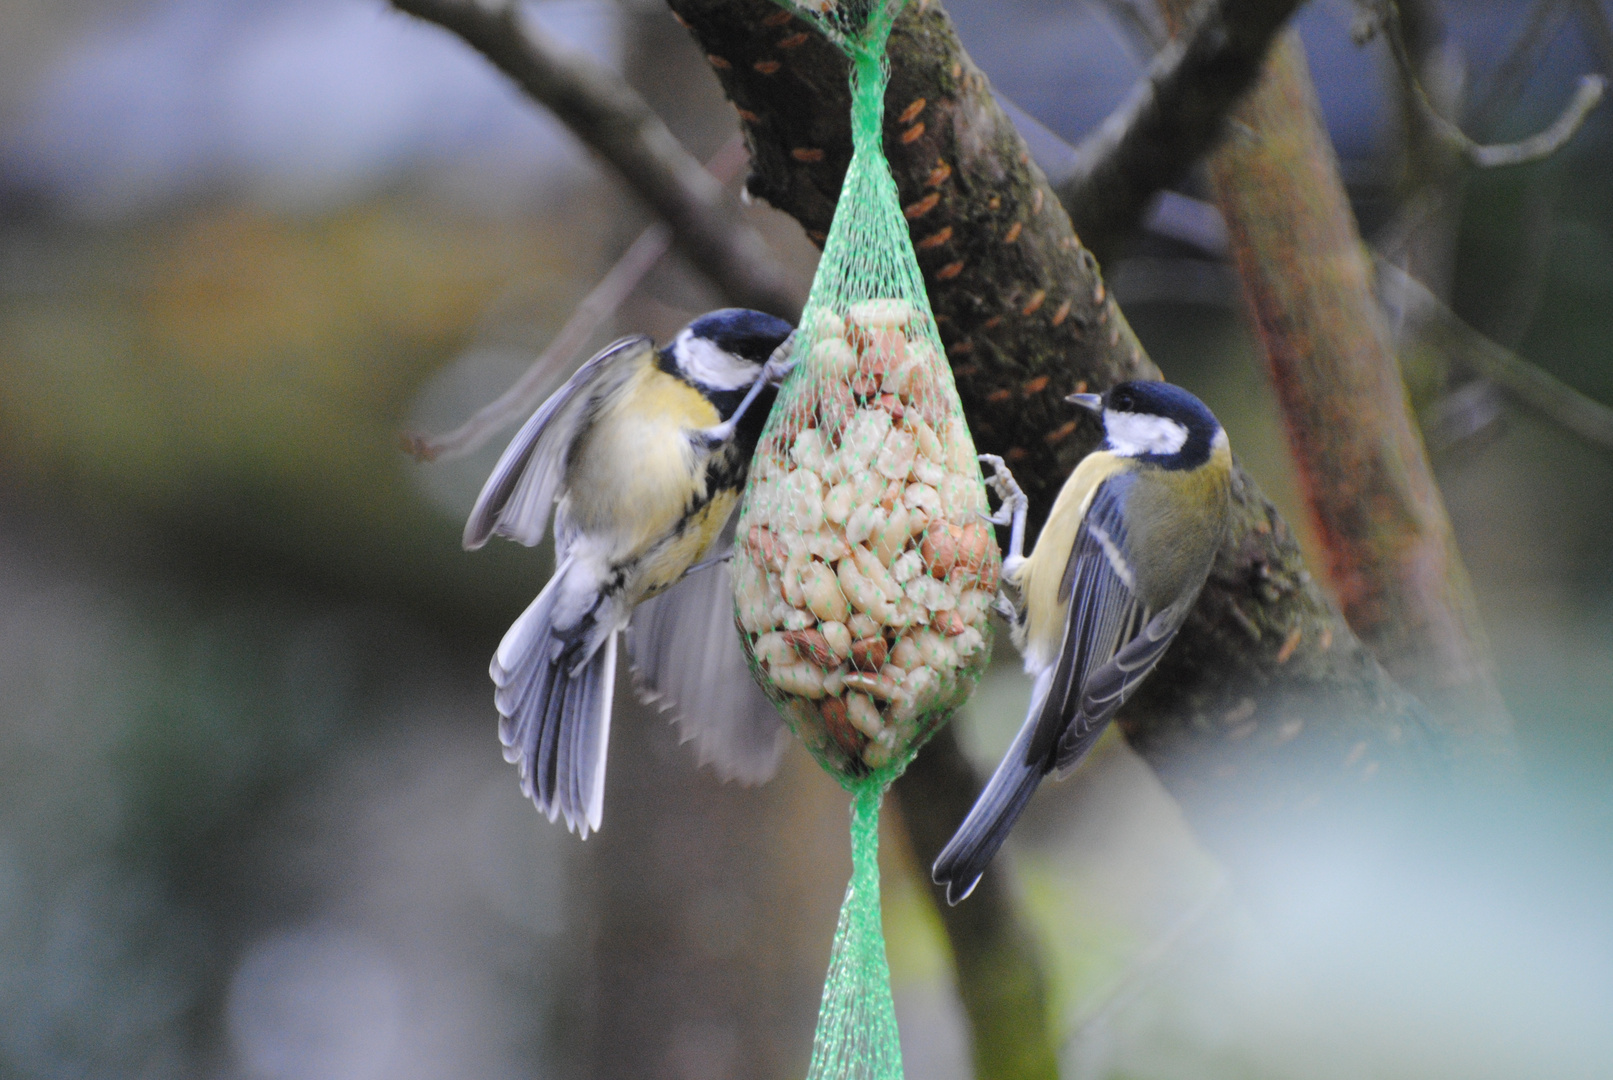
(864, 715)
(811, 645)
(868, 654)
(837, 637)
(822, 594)
(838, 725)
(871, 568)
(939, 549)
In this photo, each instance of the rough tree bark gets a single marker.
(1308, 280)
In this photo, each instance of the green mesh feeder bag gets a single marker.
(863, 571)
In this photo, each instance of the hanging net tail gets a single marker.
(864, 573)
(856, 1037)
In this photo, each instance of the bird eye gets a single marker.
(1122, 401)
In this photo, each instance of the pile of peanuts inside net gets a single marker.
(864, 572)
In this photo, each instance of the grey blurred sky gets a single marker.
(120, 108)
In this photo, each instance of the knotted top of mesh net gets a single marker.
(855, 26)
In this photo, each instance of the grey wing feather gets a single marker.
(687, 658)
(1108, 688)
(1104, 612)
(516, 500)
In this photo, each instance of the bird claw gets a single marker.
(1003, 516)
(1002, 479)
(1013, 508)
(782, 362)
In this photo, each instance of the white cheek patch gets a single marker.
(704, 363)
(1135, 434)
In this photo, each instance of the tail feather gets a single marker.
(982, 833)
(591, 762)
(554, 713)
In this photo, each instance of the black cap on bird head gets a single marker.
(1155, 422)
(743, 332)
(721, 350)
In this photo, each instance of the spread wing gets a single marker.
(1111, 640)
(516, 500)
(687, 658)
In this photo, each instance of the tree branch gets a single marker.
(1366, 477)
(607, 114)
(538, 380)
(1419, 319)
(996, 956)
(1170, 119)
(1518, 63)
(1540, 145)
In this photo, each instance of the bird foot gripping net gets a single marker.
(864, 572)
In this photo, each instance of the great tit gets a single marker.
(1118, 565)
(642, 455)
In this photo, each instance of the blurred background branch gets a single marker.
(1391, 554)
(1001, 963)
(1540, 145)
(561, 355)
(608, 115)
(1420, 321)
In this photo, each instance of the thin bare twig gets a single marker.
(1520, 61)
(591, 313)
(516, 402)
(1600, 31)
(1417, 315)
(1141, 25)
(1540, 145)
(605, 112)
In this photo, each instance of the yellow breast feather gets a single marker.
(663, 566)
(638, 465)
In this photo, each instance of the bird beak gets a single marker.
(1094, 402)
